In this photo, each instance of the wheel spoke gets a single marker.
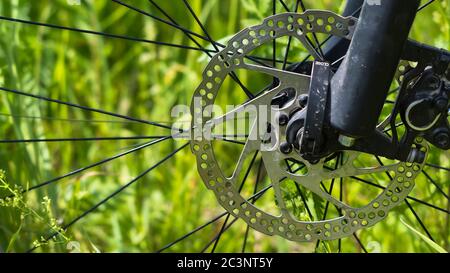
(360, 243)
(255, 196)
(112, 195)
(255, 190)
(300, 192)
(437, 167)
(98, 33)
(286, 54)
(435, 184)
(21, 93)
(80, 170)
(409, 205)
(409, 197)
(419, 220)
(78, 139)
(321, 55)
(218, 236)
(425, 5)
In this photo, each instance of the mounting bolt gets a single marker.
(283, 119)
(303, 100)
(442, 139)
(434, 82)
(286, 148)
(346, 141)
(441, 103)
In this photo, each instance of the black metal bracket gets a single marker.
(313, 137)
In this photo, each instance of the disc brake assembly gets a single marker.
(294, 110)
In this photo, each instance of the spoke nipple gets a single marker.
(286, 148)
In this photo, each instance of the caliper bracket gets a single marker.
(313, 137)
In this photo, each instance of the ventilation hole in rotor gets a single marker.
(252, 33)
(267, 202)
(262, 32)
(300, 21)
(354, 191)
(280, 24)
(328, 28)
(270, 23)
(331, 20)
(320, 22)
(295, 167)
(272, 33)
(297, 200)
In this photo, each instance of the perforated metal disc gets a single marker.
(231, 58)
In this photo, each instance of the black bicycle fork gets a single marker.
(345, 107)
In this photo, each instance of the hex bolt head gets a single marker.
(283, 119)
(286, 148)
(442, 139)
(441, 103)
(303, 100)
(434, 82)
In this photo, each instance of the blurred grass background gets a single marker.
(146, 81)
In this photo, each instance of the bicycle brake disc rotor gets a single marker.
(231, 58)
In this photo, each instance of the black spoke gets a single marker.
(255, 190)
(112, 195)
(218, 236)
(214, 43)
(425, 5)
(328, 38)
(274, 43)
(64, 119)
(435, 184)
(255, 196)
(319, 45)
(300, 192)
(353, 14)
(80, 170)
(21, 93)
(330, 192)
(161, 20)
(341, 198)
(409, 205)
(360, 243)
(419, 220)
(437, 167)
(78, 139)
(103, 34)
(409, 197)
(286, 54)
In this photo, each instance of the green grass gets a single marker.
(144, 81)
